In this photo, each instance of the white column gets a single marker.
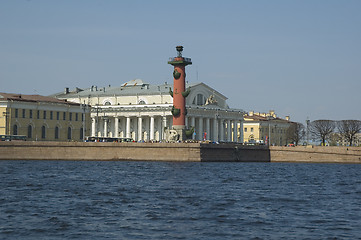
(116, 127)
(140, 128)
(193, 124)
(241, 132)
(159, 124)
(208, 128)
(105, 127)
(164, 125)
(215, 129)
(93, 127)
(98, 127)
(221, 128)
(186, 121)
(151, 137)
(200, 129)
(235, 131)
(229, 131)
(164, 121)
(128, 127)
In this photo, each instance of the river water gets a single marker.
(170, 200)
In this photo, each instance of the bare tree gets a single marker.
(321, 129)
(334, 138)
(348, 129)
(296, 132)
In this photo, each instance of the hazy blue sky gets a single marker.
(300, 58)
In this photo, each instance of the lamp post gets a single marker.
(307, 131)
(84, 107)
(97, 121)
(269, 130)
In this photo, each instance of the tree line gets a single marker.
(326, 130)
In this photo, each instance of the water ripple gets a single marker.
(158, 200)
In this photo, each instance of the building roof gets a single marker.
(256, 118)
(264, 117)
(130, 88)
(32, 98)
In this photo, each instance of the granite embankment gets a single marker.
(99, 151)
(316, 154)
(195, 152)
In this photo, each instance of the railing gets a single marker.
(171, 59)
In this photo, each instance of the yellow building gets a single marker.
(336, 139)
(265, 128)
(41, 118)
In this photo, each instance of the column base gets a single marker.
(177, 133)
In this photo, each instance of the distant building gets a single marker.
(43, 118)
(265, 128)
(336, 139)
(144, 112)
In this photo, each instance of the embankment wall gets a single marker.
(316, 154)
(195, 152)
(99, 151)
(230, 152)
(132, 151)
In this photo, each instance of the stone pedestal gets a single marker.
(181, 132)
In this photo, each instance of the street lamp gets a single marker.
(307, 130)
(269, 130)
(276, 134)
(84, 107)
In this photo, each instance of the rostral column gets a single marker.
(179, 91)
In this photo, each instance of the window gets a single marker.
(15, 129)
(44, 114)
(251, 129)
(30, 113)
(69, 133)
(51, 115)
(200, 99)
(30, 131)
(76, 117)
(251, 138)
(56, 133)
(23, 113)
(43, 132)
(57, 115)
(38, 114)
(64, 115)
(70, 116)
(16, 113)
(82, 117)
(245, 129)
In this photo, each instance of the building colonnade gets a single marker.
(153, 126)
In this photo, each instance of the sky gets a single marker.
(301, 58)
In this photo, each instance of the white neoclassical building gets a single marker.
(143, 111)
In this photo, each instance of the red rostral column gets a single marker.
(179, 89)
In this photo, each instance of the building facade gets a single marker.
(41, 118)
(265, 128)
(144, 112)
(337, 139)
